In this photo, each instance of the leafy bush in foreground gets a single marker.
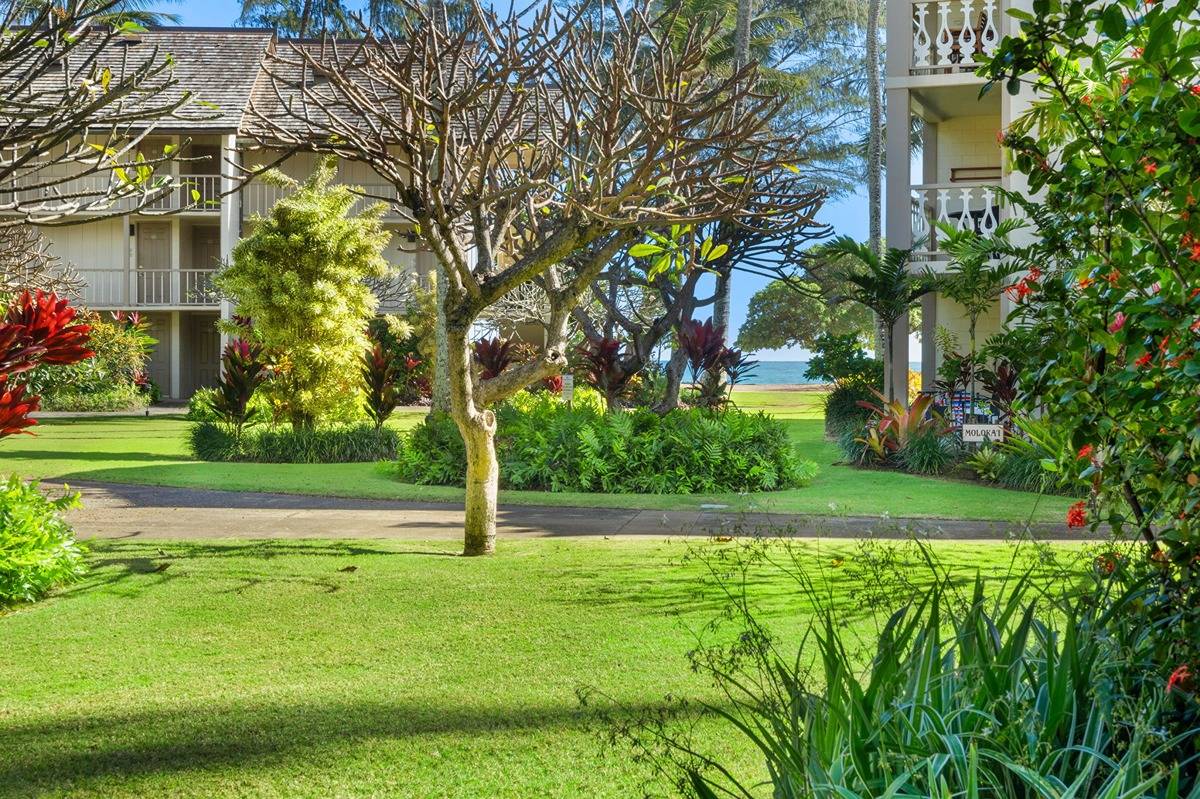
(988, 694)
(37, 547)
(543, 444)
(351, 443)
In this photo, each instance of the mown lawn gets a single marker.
(153, 451)
(371, 669)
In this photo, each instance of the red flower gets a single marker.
(1086, 282)
(1085, 452)
(1107, 563)
(1196, 90)
(1077, 515)
(1150, 167)
(1112, 277)
(1118, 322)
(1179, 678)
(1020, 290)
(1035, 274)
(1195, 328)
(1164, 344)
(1142, 361)
(1086, 99)
(1137, 52)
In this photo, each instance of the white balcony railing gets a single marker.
(142, 288)
(965, 206)
(258, 198)
(90, 192)
(950, 35)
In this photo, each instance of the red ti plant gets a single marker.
(605, 368)
(37, 329)
(704, 345)
(242, 372)
(379, 374)
(493, 356)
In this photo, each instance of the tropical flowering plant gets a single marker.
(36, 329)
(1112, 283)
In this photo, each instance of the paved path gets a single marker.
(127, 511)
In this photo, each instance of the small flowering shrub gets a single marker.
(543, 444)
(1110, 297)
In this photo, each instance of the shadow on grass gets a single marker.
(175, 737)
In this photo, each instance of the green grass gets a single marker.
(153, 451)
(271, 669)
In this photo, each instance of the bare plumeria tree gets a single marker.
(529, 147)
(26, 263)
(77, 100)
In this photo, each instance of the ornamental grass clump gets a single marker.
(1035, 688)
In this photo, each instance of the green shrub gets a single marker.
(544, 445)
(842, 411)
(108, 381)
(37, 547)
(352, 443)
(200, 406)
(433, 453)
(930, 453)
(980, 694)
(120, 397)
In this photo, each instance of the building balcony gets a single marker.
(973, 205)
(258, 199)
(89, 193)
(951, 36)
(149, 288)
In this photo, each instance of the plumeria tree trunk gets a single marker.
(478, 430)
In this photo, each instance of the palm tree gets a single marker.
(975, 277)
(885, 284)
(137, 11)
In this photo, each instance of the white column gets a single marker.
(898, 216)
(231, 211)
(174, 285)
(131, 264)
(929, 174)
(176, 357)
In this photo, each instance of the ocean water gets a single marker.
(775, 373)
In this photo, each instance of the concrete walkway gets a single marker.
(136, 511)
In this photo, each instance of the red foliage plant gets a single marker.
(493, 356)
(604, 367)
(703, 343)
(37, 329)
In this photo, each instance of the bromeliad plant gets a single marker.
(892, 425)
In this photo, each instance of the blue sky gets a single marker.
(847, 215)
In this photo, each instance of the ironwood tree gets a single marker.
(526, 147)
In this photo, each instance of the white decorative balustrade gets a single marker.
(258, 198)
(92, 193)
(952, 34)
(964, 206)
(147, 288)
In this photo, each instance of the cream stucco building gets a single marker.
(160, 260)
(932, 52)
